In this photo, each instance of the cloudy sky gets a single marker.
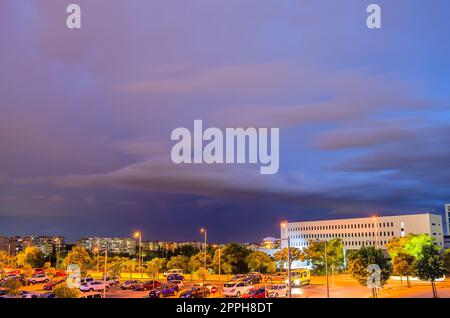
(86, 115)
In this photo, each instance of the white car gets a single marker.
(39, 278)
(95, 285)
(173, 271)
(278, 290)
(236, 289)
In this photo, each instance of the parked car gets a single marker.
(86, 280)
(148, 285)
(47, 295)
(91, 295)
(300, 277)
(253, 278)
(212, 288)
(235, 289)
(164, 291)
(39, 278)
(129, 284)
(173, 271)
(238, 278)
(278, 290)
(60, 274)
(27, 294)
(196, 292)
(112, 281)
(255, 293)
(174, 277)
(53, 284)
(95, 285)
(10, 277)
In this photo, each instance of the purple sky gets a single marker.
(86, 115)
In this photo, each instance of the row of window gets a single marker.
(346, 243)
(340, 235)
(341, 226)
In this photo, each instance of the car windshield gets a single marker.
(230, 285)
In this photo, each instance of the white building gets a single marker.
(447, 217)
(358, 232)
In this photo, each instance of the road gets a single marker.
(343, 287)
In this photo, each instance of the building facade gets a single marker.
(358, 232)
(112, 245)
(47, 244)
(447, 217)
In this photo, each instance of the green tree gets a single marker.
(198, 260)
(430, 266)
(202, 274)
(31, 256)
(115, 267)
(415, 244)
(13, 286)
(79, 256)
(397, 245)
(180, 261)
(359, 262)
(63, 291)
(315, 253)
(281, 255)
(446, 258)
(232, 260)
(129, 266)
(403, 265)
(260, 262)
(5, 259)
(155, 266)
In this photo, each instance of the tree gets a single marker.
(202, 273)
(78, 256)
(155, 266)
(31, 256)
(360, 265)
(260, 262)
(446, 258)
(232, 260)
(415, 244)
(13, 286)
(403, 265)
(315, 252)
(115, 267)
(180, 261)
(281, 255)
(198, 260)
(63, 291)
(129, 266)
(430, 266)
(6, 260)
(397, 245)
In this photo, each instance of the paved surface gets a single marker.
(343, 287)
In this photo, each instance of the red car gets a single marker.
(255, 293)
(60, 274)
(148, 285)
(53, 284)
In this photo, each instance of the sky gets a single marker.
(86, 115)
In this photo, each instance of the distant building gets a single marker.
(112, 245)
(47, 244)
(358, 232)
(153, 246)
(270, 245)
(447, 217)
(4, 244)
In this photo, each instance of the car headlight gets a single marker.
(297, 282)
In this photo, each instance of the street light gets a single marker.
(104, 273)
(203, 230)
(220, 256)
(284, 226)
(58, 251)
(139, 235)
(96, 256)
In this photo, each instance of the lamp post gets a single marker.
(203, 230)
(104, 273)
(58, 251)
(96, 256)
(288, 239)
(139, 235)
(220, 260)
